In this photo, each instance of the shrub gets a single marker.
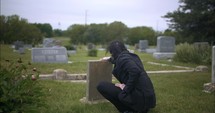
(189, 54)
(70, 47)
(92, 52)
(20, 90)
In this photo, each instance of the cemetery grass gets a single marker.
(175, 93)
(79, 61)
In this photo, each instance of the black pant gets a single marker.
(111, 92)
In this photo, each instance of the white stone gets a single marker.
(60, 74)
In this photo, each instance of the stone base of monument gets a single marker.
(151, 50)
(161, 55)
(209, 87)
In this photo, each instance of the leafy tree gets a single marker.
(95, 33)
(46, 29)
(194, 20)
(76, 33)
(58, 32)
(141, 33)
(116, 30)
(14, 28)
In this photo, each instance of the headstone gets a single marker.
(213, 65)
(28, 46)
(165, 44)
(21, 50)
(18, 44)
(60, 74)
(165, 47)
(210, 87)
(49, 55)
(201, 45)
(97, 71)
(48, 42)
(143, 45)
(90, 46)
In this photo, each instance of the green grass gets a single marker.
(176, 93)
(80, 60)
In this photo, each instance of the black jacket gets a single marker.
(138, 92)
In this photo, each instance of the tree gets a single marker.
(76, 33)
(46, 29)
(141, 33)
(95, 33)
(58, 32)
(194, 20)
(14, 28)
(116, 30)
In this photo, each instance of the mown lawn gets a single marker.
(175, 92)
(80, 60)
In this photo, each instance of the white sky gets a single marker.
(63, 13)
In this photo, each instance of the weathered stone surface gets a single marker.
(201, 68)
(49, 55)
(213, 65)
(60, 74)
(209, 87)
(165, 48)
(97, 71)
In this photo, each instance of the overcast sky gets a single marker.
(63, 13)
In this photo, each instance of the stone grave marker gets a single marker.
(49, 55)
(210, 87)
(21, 50)
(97, 71)
(165, 47)
(143, 45)
(18, 44)
(90, 46)
(201, 45)
(48, 42)
(213, 65)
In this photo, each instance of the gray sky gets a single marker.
(63, 13)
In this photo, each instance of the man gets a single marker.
(135, 92)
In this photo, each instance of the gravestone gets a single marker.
(49, 55)
(18, 44)
(201, 45)
(97, 71)
(213, 65)
(48, 42)
(28, 46)
(143, 45)
(90, 46)
(210, 87)
(165, 47)
(21, 50)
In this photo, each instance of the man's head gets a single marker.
(115, 48)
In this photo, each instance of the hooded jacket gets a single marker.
(138, 92)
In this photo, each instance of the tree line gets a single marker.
(193, 21)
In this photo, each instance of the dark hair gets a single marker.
(115, 48)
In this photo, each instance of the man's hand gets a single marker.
(121, 86)
(105, 58)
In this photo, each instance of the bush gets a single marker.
(71, 47)
(20, 90)
(189, 54)
(92, 52)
